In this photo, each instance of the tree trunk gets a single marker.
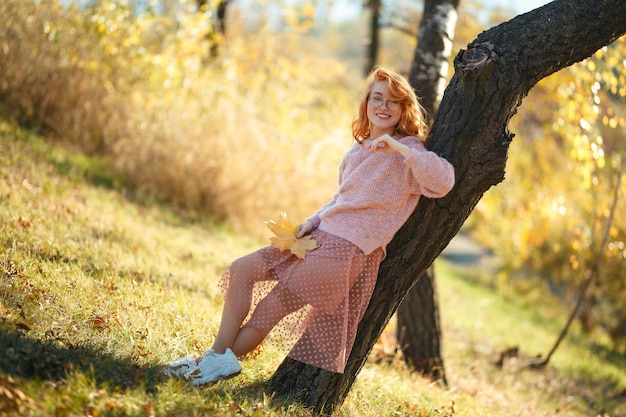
(491, 77)
(429, 68)
(218, 22)
(418, 330)
(372, 52)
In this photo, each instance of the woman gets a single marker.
(381, 179)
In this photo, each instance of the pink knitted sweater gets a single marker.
(378, 192)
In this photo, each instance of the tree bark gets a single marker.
(429, 68)
(419, 329)
(418, 319)
(372, 48)
(491, 78)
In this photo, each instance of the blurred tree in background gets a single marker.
(217, 17)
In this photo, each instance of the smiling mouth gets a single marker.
(383, 116)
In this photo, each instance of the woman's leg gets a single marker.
(277, 304)
(229, 330)
(243, 274)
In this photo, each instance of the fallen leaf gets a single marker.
(24, 222)
(285, 239)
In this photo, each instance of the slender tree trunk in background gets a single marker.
(429, 68)
(220, 26)
(418, 329)
(491, 78)
(218, 23)
(372, 52)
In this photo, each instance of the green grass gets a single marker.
(99, 286)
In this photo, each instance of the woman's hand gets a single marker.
(305, 229)
(387, 144)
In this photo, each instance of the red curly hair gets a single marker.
(413, 119)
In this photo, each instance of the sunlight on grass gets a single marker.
(100, 286)
(485, 325)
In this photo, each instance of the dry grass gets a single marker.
(238, 137)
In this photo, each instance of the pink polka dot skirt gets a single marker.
(316, 302)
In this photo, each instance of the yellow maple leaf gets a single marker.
(285, 239)
(282, 227)
(302, 245)
(282, 242)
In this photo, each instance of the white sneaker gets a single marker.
(180, 368)
(214, 367)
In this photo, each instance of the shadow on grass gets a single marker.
(260, 392)
(26, 358)
(97, 170)
(50, 361)
(603, 394)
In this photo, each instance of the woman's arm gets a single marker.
(433, 176)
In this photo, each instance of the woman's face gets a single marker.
(383, 113)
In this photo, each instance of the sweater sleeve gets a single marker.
(433, 176)
(315, 218)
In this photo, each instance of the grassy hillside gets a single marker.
(100, 286)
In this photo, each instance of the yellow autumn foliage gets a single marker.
(546, 223)
(206, 134)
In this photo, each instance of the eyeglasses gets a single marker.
(379, 102)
